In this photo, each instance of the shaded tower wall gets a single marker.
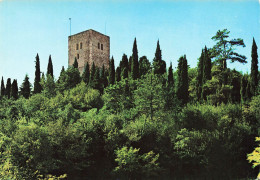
(89, 46)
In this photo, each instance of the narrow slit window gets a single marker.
(98, 45)
(101, 46)
(81, 45)
(77, 46)
(78, 56)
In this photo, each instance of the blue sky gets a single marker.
(183, 27)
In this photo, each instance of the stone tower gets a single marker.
(89, 46)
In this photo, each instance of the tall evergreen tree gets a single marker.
(225, 49)
(102, 79)
(124, 67)
(37, 85)
(26, 87)
(86, 74)
(130, 65)
(50, 67)
(170, 80)
(61, 73)
(170, 90)
(159, 64)
(118, 74)
(96, 79)
(200, 75)
(254, 69)
(111, 71)
(206, 66)
(144, 66)
(92, 74)
(2, 87)
(14, 89)
(182, 83)
(8, 88)
(75, 64)
(134, 63)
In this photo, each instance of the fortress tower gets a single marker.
(89, 46)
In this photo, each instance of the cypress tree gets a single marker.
(254, 69)
(26, 87)
(96, 79)
(144, 66)
(200, 75)
(50, 67)
(75, 64)
(92, 74)
(169, 93)
(62, 70)
(159, 64)
(118, 74)
(111, 71)
(182, 83)
(37, 85)
(170, 77)
(206, 66)
(8, 88)
(130, 65)
(14, 89)
(2, 87)
(86, 74)
(102, 79)
(134, 63)
(124, 67)
(61, 73)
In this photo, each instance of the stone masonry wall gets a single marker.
(90, 50)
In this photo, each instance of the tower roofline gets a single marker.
(88, 31)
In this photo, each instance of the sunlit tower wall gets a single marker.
(89, 46)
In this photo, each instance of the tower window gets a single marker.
(77, 46)
(81, 45)
(101, 46)
(98, 45)
(78, 56)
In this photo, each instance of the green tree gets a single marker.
(159, 65)
(254, 157)
(96, 80)
(254, 69)
(75, 64)
(111, 71)
(144, 66)
(206, 66)
(148, 96)
(103, 79)
(8, 88)
(25, 88)
(14, 89)
(182, 80)
(132, 165)
(68, 79)
(50, 67)
(118, 74)
(170, 90)
(2, 87)
(124, 67)
(134, 63)
(86, 74)
(200, 75)
(92, 73)
(61, 74)
(225, 49)
(49, 88)
(37, 85)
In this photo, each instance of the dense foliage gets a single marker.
(107, 124)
